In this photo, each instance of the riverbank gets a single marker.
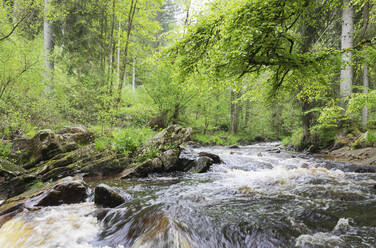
(361, 156)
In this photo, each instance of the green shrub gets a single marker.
(370, 138)
(5, 149)
(295, 139)
(125, 140)
(102, 143)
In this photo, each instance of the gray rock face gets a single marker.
(173, 136)
(169, 159)
(106, 196)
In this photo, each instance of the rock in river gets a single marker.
(106, 196)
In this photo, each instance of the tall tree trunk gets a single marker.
(118, 54)
(347, 42)
(112, 50)
(131, 14)
(246, 113)
(216, 114)
(48, 46)
(365, 67)
(234, 113)
(365, 90)
(134, 75)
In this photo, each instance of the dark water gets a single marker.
(255, 199)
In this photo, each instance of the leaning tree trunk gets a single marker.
(346, 43)
(48, 46)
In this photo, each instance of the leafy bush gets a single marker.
(370, 138)
(295, 139)
(125, 140)
(5, 149)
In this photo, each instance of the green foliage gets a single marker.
(220, 138)
(370, 138)
(124, 140)
(5, 149)
(295, 139)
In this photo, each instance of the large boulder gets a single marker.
(46, 144)
(66, 191)
(106, 196)
(201, 162)
(174, 160)
(170, 137)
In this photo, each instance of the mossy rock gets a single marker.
(360, 142)
(8, 169)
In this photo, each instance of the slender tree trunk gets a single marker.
(234, 113)
(365, 90)
(112, 50)
(132, 11)
(48, 46)
(134, 75)
(16, 9)
(246, 114)
(118, 54)
(347, 42)
(365, 67)
(216, 114)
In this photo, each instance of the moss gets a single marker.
(7, 166)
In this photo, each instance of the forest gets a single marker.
(98, 88)
(297, 71)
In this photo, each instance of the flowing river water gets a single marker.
(256, 198)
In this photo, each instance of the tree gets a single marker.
(48, 47)
(365, 67)
(346, 44)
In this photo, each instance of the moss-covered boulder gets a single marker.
(173, 136)
(46, 144)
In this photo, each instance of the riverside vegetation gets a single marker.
(120, 91)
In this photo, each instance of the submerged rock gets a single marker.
(202, 164)
(106, 196)
(216, 158)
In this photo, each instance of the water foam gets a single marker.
(62, 226)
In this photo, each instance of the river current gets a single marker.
(259, 197)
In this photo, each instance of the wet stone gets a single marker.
(67, 192)
(106, 196)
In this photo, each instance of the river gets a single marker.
(259, 197)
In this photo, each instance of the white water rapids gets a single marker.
(257, 198)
